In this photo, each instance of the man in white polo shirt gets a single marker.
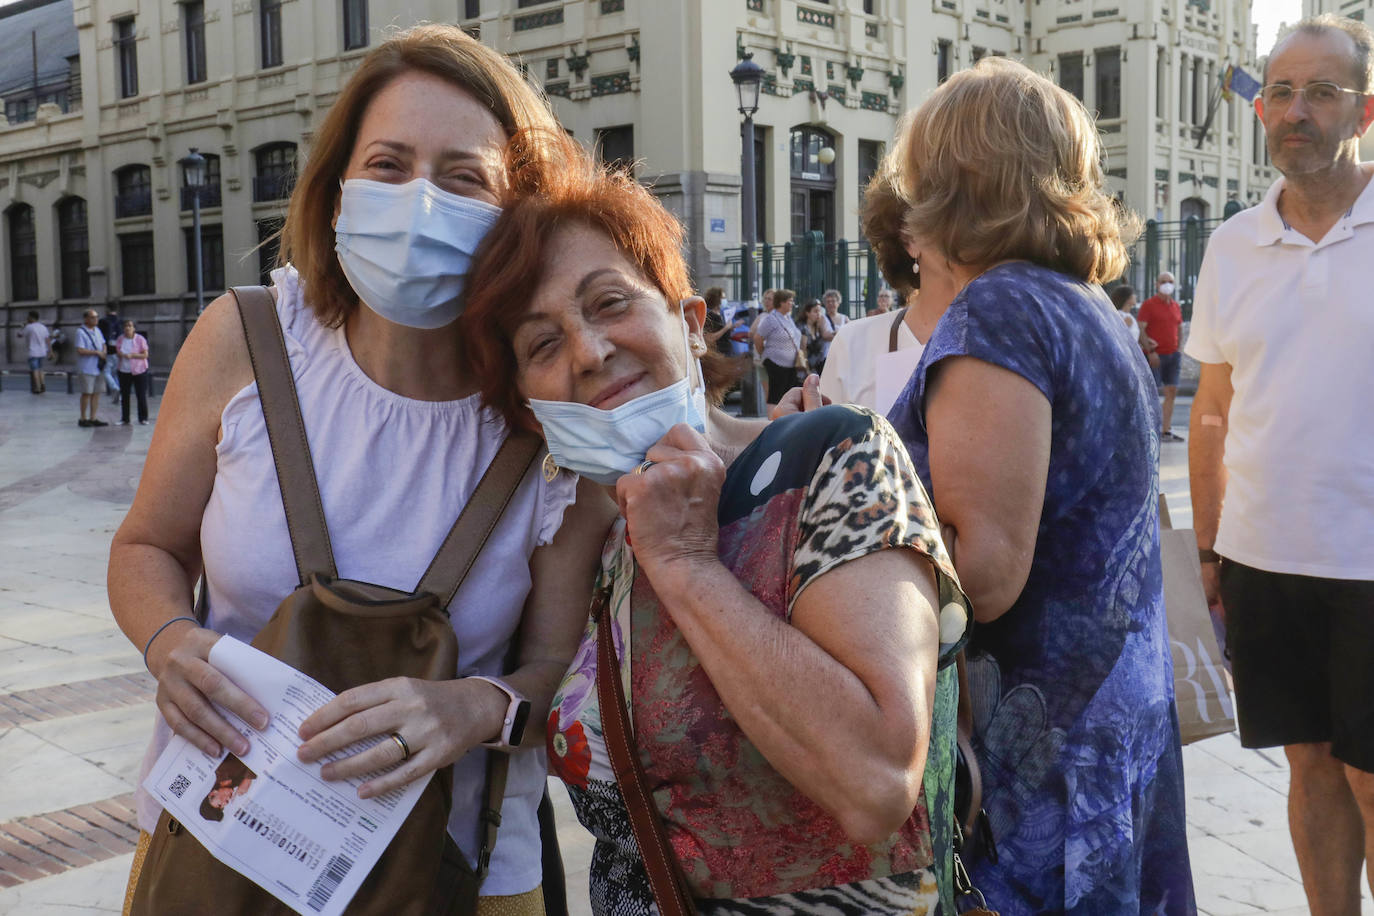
(1283, 427)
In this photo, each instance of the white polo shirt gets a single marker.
(1295, 321)
(859, 369)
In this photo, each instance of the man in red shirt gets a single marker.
(1161, 318)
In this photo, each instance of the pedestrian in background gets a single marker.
(815, 336)
(90, 351)
(884, 302)
(834, 318)
(38, 345)
(110, 327)
(131, 350)
(1124, 298)
(717, 331)
(1161, 318)
(778, 340)
(1281, 461)
(1032, 419)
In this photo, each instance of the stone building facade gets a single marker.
(94, 201)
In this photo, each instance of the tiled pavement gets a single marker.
(75, 704)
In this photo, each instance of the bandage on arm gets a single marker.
(1212, 419)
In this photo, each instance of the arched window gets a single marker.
(23, 253)
(73, 247)
(275, 166)
(133, 191)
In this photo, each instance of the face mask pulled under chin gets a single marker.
(602, 445)
(406, 249)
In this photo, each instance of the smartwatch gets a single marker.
(517, 716)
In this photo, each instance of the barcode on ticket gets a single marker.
(179, 786)
(328, 882)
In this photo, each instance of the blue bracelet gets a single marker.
(149, 644)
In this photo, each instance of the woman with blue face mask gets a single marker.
(782, 609)
(404, 179)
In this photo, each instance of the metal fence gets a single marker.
(811, 266)
(1175, 246)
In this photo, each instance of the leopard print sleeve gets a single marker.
(864, 497)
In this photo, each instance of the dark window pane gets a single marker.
(126, 56)
(211, 257)
(355, 24)
(23, 253)
(269, 27)
(276, 172)
(807, 143)
(73, 248)
(944, 60)
(194, 12)
(133, 191)
(269, 243)
(136, 263)
(1107, 65)
(870, 154)
(472, 9)
(1071, 74)
(616, 146)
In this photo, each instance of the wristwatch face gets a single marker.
(517, 722)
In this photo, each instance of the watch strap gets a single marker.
(1208, 555)
(515, 698)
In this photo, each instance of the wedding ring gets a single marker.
(401, 743)
(644, 466)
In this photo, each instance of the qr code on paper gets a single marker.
(179, 786)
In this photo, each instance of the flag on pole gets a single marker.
(1226, 82)
(1242, 83)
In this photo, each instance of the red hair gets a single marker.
(562, 187)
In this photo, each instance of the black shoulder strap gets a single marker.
(892, 333)
(479, 516)
(300, 492)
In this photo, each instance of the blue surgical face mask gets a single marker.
(602, 445)
(406, 248)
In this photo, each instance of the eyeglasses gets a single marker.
(1317, 95)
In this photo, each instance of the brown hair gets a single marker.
(307, 238)
(782, 295)
(1001, 164)
(1325, 23)
(564, 187)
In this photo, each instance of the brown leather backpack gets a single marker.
(345, 633)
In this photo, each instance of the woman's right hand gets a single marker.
(187, 684)
(799, 400)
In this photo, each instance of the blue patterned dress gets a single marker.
(1073, 687)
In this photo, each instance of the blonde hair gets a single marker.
(445, 51)
(999, 164)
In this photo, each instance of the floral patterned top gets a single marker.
(813, 491)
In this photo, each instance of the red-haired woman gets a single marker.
(780, 602)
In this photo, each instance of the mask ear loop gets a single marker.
(691, 357)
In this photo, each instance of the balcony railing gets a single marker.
(136, 202)
(209, 196)
(272, 187)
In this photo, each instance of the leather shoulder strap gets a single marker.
(665, 877)
(479, 517)
(300, 493)
(892, 332)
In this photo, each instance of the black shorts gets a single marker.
(1166, 373)
(1302, 655)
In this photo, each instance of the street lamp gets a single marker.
(748, 79)
(193, 167)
